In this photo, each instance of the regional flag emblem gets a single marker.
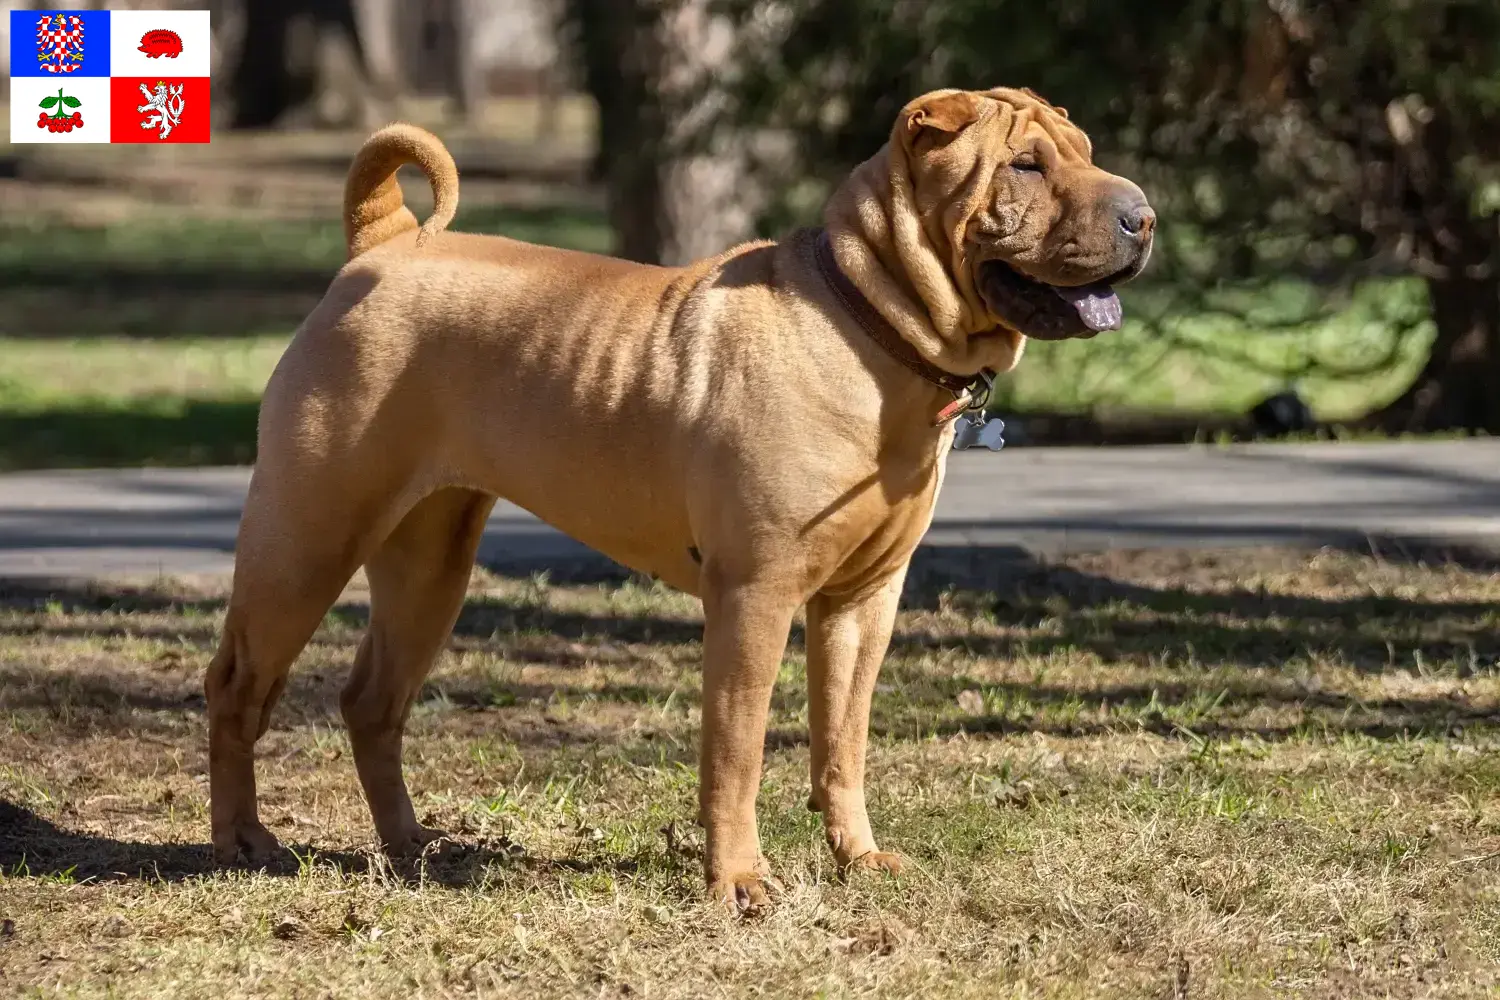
(59, 42)
(139, 76)
(160, 42)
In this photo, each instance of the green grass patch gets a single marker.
(1273, 779)
(56, 255)
(149, 342)
(193, 278)
(38, 375)
(120, 402)
(156, 431)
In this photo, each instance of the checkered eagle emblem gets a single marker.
(59, 42)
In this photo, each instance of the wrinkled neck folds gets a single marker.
(910, 259)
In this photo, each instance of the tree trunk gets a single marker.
(675, 191)
(619, 45)
(273, 75)
(467, 81)
(711, 199)
(263, 86)
(1459, 386)
(378, 36)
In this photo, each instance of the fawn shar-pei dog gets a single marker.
(766, 429)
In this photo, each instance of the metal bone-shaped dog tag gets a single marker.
(965, 432)
(969, 431)
(992, 434)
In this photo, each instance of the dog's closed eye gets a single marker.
(1028, 163)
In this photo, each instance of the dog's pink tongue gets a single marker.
(1098, 306)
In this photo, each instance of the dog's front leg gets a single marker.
(847, 636)
(744, 636)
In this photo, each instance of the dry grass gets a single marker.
(1170, 776)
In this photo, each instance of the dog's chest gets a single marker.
(880, 531)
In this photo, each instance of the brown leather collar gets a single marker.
(880, 329)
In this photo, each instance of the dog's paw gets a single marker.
(416, 841)
(887, 862)
(246, 844)
(748, 894)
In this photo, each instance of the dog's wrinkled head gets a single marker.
(1008, 183)
(994, 214)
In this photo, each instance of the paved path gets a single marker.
(1036, 500)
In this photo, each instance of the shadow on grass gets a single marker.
(32, 846)
(1114, 619)
(172, 433)
(1040, 610)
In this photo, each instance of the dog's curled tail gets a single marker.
(373, 209)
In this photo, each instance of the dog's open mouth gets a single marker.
(1048, 312)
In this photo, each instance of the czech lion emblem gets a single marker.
(163, 107)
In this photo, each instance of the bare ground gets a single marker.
(1174, 775)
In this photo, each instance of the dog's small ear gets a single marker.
(1043, 101)
(948, 113)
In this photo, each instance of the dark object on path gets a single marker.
(1282, 414)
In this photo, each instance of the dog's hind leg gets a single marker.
(847, 636)
(418, 578)
(288, 571)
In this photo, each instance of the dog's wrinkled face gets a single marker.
(1032, 228)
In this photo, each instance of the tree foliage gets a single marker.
(1327, 141)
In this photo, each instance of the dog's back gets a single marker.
(447, 357)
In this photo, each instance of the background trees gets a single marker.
(1300, 152)
(1326, 143)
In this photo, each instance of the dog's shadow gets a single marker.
(34, 847)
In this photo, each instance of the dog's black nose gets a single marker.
(1137, 220)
